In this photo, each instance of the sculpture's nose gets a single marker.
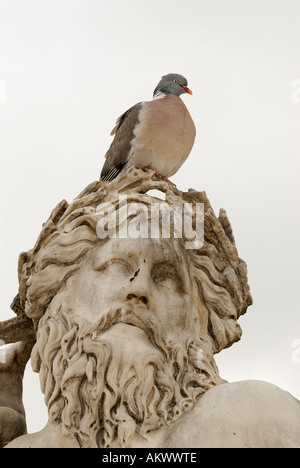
(138, 291)
(136, 299)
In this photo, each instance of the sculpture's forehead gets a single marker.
(150, 250)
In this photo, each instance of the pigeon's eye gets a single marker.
(175, 81)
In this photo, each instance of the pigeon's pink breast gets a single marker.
(164, 136)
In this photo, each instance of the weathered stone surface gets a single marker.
(127, 328)
(12, 414)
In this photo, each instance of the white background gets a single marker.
(69, 68)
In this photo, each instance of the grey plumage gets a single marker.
(116, 156)
(171, 84)
(157, 134)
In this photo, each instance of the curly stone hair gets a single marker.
(70, 233)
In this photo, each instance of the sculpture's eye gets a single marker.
(168, 283)
(116, 267)
(167, 276)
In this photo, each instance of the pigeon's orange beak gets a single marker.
(187, 90)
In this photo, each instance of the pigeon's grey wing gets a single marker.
(117, 155)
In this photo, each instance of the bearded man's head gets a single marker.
(127, 328)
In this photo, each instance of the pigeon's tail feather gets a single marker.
(111, 174)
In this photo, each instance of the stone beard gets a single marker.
(118, 379)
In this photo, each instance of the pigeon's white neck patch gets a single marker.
(159, 95)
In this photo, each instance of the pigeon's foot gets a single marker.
(160, 176)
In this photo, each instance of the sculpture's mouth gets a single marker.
(128, 339)
(128, 326)
(136, 317)
(123, 328)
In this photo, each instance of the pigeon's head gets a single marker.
(172, 84)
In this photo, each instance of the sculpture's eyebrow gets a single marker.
(101, 259)
(112, 261)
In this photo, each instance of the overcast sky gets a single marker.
(69, 68)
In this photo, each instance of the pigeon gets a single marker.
(157, 134)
